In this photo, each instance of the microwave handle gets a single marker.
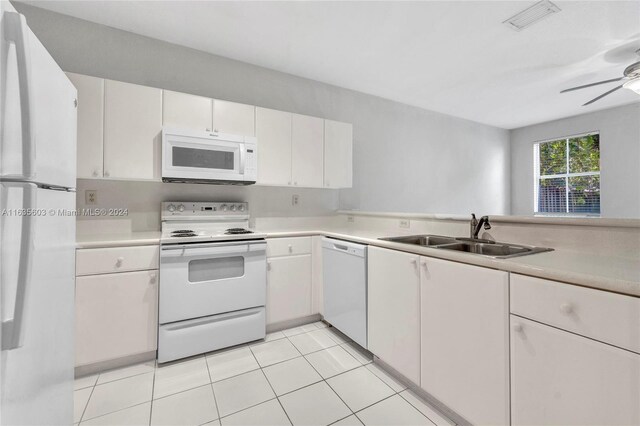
(243, 157)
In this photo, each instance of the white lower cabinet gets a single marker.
(560, 378)
(394, 310)
(116, 316)
(288, 279)
(465, 339)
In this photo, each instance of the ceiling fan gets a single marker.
(631, 77)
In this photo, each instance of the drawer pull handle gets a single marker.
(290, 248)
(119, 261)
(566, 308)
(153, 277)
(517, 327)
(268, 266)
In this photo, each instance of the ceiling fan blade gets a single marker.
(592, 84)
(603, 95)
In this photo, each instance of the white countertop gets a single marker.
(117, 239)
(617, 274)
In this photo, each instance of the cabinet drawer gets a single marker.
(609, 317)
(288, 246)
(116, 259)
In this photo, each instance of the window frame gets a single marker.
(537, 176)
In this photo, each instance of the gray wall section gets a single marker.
(619, 158)
(405, 158)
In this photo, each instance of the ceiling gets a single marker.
(454, 57)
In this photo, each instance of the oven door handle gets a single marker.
(211, 251)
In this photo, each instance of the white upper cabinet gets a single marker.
(394, 310)
(90, 124)
(234, 118)
(132, 131)
(338, 146)
(185, 111)
(120, 134)
(307, 150)
(465, 339)
(273, 130)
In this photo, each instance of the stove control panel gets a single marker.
(178, 209)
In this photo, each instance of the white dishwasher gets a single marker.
(344, 269)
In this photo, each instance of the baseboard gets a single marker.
(444, 410)
(99, 367)
(283, 325)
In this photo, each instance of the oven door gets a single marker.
(187, 157)
(198, 280)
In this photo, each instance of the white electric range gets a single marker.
(212, 279)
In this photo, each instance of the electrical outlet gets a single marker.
(91, 196)
(294, 200)
(351, 219)
(404, 223)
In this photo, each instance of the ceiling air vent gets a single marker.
(531, 15)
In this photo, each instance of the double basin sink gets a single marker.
(468, 245)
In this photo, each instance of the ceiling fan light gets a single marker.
(633, 85)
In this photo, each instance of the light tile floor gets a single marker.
(307, 375)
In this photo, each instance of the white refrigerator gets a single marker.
(37, 229)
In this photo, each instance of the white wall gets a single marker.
(619, 158)
(405, 158)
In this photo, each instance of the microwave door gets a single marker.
(195, 161)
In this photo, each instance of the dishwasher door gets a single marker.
(345, 287)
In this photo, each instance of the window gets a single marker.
(567, 176)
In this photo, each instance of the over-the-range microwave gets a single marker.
(208, 157)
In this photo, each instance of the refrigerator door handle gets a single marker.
(16, 31)
(13, 328)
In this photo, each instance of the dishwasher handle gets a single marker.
(346, 247)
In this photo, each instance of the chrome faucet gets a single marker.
(476, 224)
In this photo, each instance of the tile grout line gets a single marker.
(84, 410)
(271, 386)
(153, 390)
(325, 380)
(215, 400)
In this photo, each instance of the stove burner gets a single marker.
(236, 231)
(182, 231)
(183, 234)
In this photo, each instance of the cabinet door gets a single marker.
(465, 339)
(116, 315)
(288, 288)
(559, 378)
(234, 118)
(132, 131)
(394, 310)
(307, 134)
(338, 143)
(185, 111)
(90, 124)
(273, 130)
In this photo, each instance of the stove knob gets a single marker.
(181, 208)
(224, 207)
(241, 207)
(233, 208)
(171, 208)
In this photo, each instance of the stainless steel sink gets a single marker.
(422, 240)
(468, 245)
